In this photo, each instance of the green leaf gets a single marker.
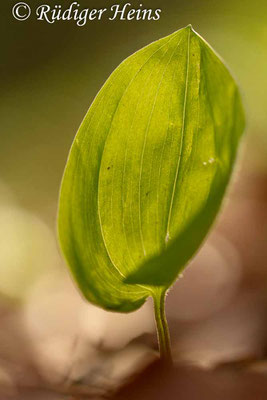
(148, 170)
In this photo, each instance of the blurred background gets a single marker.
(52, 344)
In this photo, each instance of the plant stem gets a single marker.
(162, 326)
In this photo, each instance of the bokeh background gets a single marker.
(52, 344)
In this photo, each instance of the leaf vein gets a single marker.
(181, 142)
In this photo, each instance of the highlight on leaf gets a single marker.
(147, 173)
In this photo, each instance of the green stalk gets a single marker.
(162, 326)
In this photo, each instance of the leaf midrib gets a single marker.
(167, 236)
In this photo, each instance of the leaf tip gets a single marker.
(190, 28)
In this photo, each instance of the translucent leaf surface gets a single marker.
(148, 170)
